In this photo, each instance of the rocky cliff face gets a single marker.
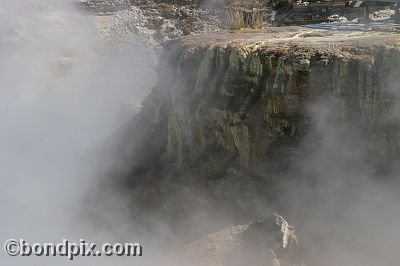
(230, 110)
(241, 97)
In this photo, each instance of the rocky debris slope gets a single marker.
(152, 22)
(107, 5)
(271, 242)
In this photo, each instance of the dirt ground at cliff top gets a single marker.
(347, 34)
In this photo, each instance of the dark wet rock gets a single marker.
(271, 241)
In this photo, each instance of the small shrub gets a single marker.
(239, 17)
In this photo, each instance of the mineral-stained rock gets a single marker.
(241, 93)
(229, 103)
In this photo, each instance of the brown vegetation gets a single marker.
(239, 17)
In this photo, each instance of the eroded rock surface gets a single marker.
(223, 124)
(239, 93)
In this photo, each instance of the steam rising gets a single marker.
(346, 203)
(61, 93)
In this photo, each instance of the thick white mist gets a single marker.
(61, 92)
(348, 209)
